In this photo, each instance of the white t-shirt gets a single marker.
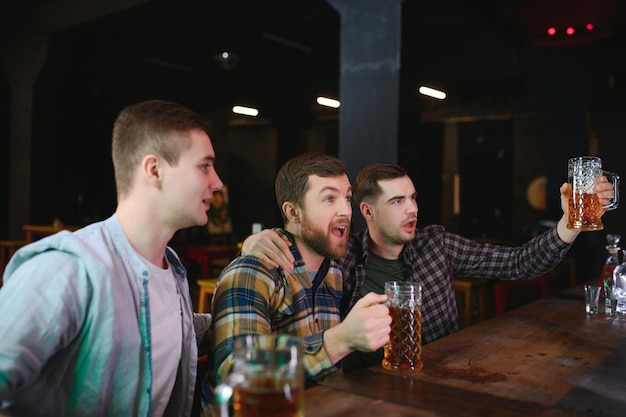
(167, 335)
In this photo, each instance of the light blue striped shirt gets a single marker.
(75, 328)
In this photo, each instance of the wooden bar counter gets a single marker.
(548, 358)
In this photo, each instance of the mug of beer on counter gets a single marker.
(583, 173)
(403, 352)
(267, 378)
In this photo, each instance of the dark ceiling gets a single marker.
(290, 49)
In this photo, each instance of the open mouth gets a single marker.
(410, 225)
(339, 231)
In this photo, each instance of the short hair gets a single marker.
(292, 180)
(366, 187)
(153, 126)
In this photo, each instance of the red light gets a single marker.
(589, 26)
(569, 30)
(551, 31)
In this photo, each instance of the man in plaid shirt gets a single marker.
(254, 297)
(393, 248)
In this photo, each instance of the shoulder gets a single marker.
(245, 271)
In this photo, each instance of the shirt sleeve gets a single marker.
(42, 307)
(533, 258)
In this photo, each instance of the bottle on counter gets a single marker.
(612, 260)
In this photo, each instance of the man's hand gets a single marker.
(365, 329)
(604, 189)
(271, 247)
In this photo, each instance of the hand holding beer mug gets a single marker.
(403, 352)
(583, 173)
(267, 378)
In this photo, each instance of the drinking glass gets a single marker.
(267, 378)
(583, 173)
(404, 349)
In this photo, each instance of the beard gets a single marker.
(318, 240)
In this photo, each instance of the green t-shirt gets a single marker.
(380, 270)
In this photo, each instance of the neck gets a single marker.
(383, 248)
(145, 233)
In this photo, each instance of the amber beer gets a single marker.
(403, 352)
(259, 401)
(584, 212)
(583, 173)
(267, 378)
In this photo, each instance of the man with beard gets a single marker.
(393, 248)
(253, 296)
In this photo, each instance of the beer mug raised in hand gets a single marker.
(583, 173)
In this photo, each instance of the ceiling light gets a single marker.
(431, 92)
(226, 60)
(328, 102)
(247, 111)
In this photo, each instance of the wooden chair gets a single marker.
(206, 289)
(465, 288)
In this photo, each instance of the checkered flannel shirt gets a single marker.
(435, 257)
(253, 298)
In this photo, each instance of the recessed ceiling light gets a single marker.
(328, 102)
(247, 111)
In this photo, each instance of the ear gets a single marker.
(291, 212)
(151, 169)
(367, 210)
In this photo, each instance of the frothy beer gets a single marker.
(583, 173)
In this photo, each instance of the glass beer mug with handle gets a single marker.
(583, 173)
(403, 352)
(267, 378)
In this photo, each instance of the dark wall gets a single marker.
(5, 155)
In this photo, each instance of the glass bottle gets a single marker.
(619, 286)
(612, 260)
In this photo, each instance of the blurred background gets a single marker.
(528, 85)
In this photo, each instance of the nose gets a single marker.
(412, 207)
(345, 209)
(215, 182)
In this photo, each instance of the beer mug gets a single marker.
(403, 352)
(583, 173)
(267, 378)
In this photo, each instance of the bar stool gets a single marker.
(207, 288)
(465, 287)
